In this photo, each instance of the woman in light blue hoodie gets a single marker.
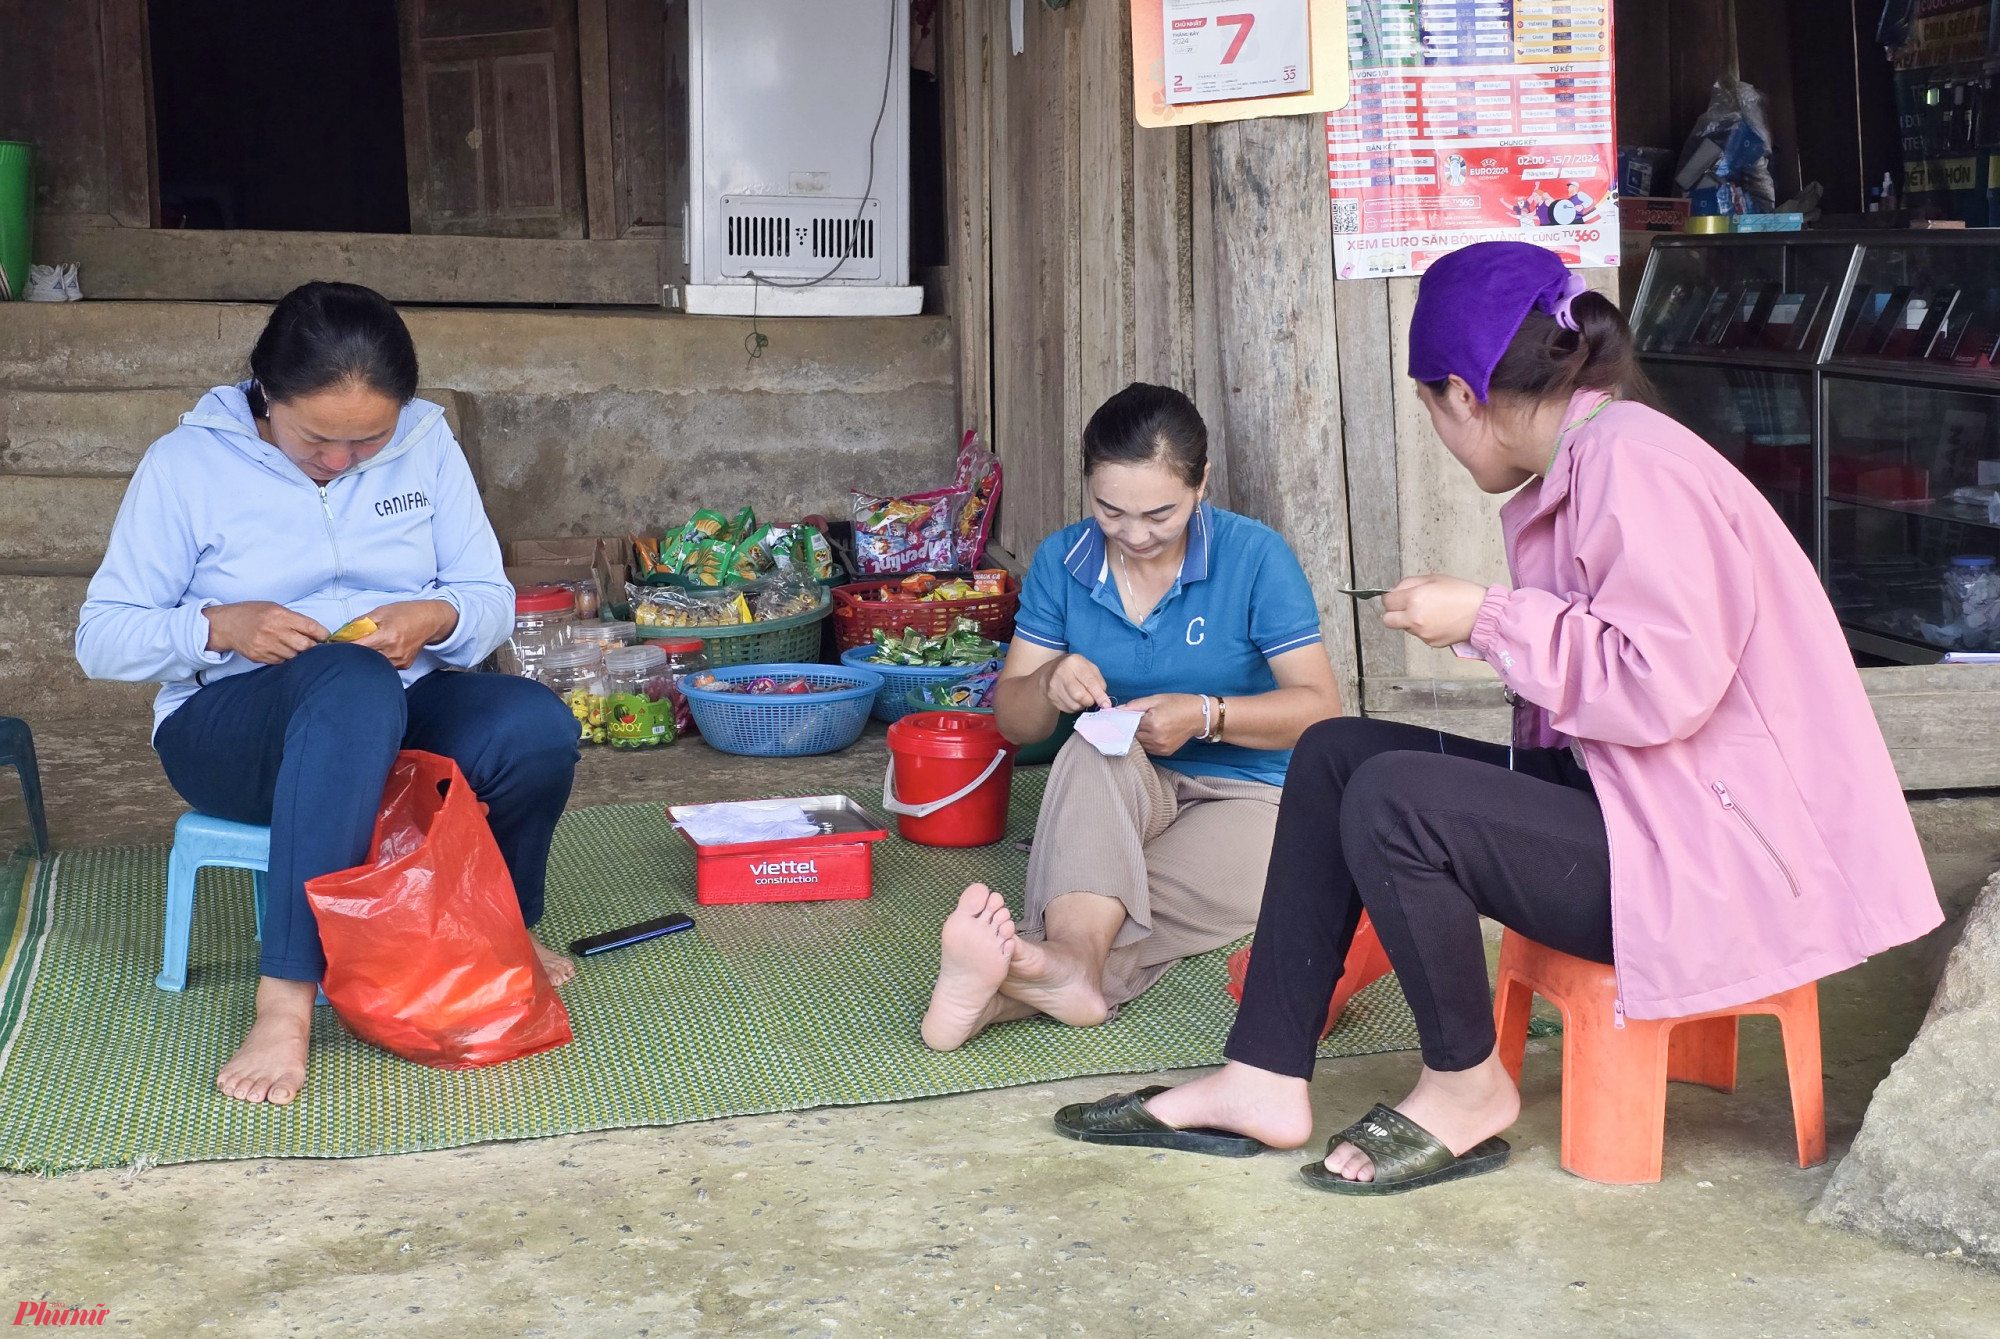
(319, 492)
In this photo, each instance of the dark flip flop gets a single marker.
(1122, 1119)
(1406, 1157)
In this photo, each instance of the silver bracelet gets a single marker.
(1206, 726)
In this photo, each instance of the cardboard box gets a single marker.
(602, 560)
(1652, 213)
(837, 865)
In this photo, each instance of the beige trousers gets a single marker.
(1185, 854)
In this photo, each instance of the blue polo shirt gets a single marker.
(1241, 598)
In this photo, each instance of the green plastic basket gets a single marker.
(793, 640)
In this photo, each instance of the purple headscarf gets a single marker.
(1471, 304)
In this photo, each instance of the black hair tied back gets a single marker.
(323, 335)
(1143, 425)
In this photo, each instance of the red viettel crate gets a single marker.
(834, 865)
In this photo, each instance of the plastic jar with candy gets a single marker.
(576, 673)
(683, 658)
(638, 708)
(543, 616)
(607, 633)
(1972, 602)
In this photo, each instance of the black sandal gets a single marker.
(1406, 1157)
(1122, 1119)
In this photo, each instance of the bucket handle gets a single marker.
(896, 806)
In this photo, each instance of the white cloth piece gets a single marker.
(734, 824)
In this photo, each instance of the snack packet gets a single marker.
(705, 524)
(672, 607)
(708, 562)
(751, 558)
(783, 595)
(812, 554)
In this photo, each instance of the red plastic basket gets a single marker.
(855, 619)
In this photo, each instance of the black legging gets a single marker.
(1428, 832)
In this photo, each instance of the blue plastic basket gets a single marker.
(785, 725)
(892, 703)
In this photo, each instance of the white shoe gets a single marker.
(45, 284)
(71, 286)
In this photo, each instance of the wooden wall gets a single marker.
(1072, 266)
(1087, 253)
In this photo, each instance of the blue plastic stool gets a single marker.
(17, 747)
(200, 840)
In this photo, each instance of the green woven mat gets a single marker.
(759, 1009)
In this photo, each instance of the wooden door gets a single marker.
(491, 117)
(75, 82)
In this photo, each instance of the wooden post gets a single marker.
(1370, 366)
(964, 44)
(594, 68)
(1275, 328)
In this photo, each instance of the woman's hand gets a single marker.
(258, 630)
(1436, 610)
(1171, 720)
(1074, 684)
(402, 630)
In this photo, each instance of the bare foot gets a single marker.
(270, 1065)
(973, 951)
(560, 967)
(1274, 1108)
(1051, 979)
(1460, 1108)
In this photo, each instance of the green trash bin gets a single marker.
(17, 217)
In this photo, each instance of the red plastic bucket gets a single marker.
(949, 779)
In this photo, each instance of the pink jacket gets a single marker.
(1665, 619)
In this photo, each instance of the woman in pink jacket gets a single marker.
(1697, 792)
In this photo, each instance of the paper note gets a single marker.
(749, 821)
(1111, 731)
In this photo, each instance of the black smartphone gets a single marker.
(631, 934)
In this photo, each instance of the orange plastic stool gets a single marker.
(1614, 1080)
(1366, 964)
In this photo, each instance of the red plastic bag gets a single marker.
(426, 953)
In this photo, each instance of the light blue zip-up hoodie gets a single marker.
(217, 515)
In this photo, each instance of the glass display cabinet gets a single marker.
(1852, 378)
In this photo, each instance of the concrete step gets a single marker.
(39, 678)
(96, 434)
(121, 345)
(54, 520)
(104, 433)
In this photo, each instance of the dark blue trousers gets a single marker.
(305, 747)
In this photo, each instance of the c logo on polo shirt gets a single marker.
(1195, 637)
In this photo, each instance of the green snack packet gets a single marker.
(751, 558)
(811, 554)
(739, 528)
(705, 524)
(779, 541)
(708, 563)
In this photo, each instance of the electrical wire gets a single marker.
(861, 210)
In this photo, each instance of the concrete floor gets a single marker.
(967, 1215)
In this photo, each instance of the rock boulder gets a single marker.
(1925, 1170)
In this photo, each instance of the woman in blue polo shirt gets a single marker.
(1204, 621)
